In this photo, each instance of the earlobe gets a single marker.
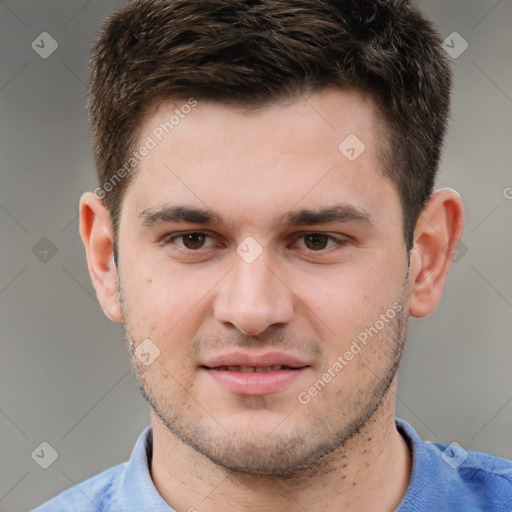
(436, 237)
(98, 238)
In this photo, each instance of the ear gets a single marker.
(436, 237)
(98, 238)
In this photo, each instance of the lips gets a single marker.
(262, 361)
(248, 374)
(253, 369)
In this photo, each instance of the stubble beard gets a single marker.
(293, 456)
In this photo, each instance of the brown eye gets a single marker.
(193, 241)
(316, 241)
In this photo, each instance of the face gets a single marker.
(267, 273)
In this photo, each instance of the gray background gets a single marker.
(64, 372)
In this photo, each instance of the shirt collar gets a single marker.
(422, 464)
(138, 492)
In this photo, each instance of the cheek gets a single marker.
(152, 296)
(168, 311)
(355, 297)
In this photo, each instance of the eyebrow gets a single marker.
(336, 213)
(194, 215)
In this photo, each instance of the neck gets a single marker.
(370, 472)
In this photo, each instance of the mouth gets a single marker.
(246, 374)
(254, 369)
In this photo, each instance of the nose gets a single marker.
(253, 297)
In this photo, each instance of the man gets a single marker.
(264, 226)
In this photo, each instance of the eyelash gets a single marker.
(339, 242)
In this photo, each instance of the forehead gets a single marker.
(258, 163)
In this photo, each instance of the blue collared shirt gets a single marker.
(445, 478)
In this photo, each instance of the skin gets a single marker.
(218, 450)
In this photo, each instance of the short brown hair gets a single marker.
(256, 52)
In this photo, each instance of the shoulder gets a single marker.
(449, 478)
(96, 493)
(484, 477)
